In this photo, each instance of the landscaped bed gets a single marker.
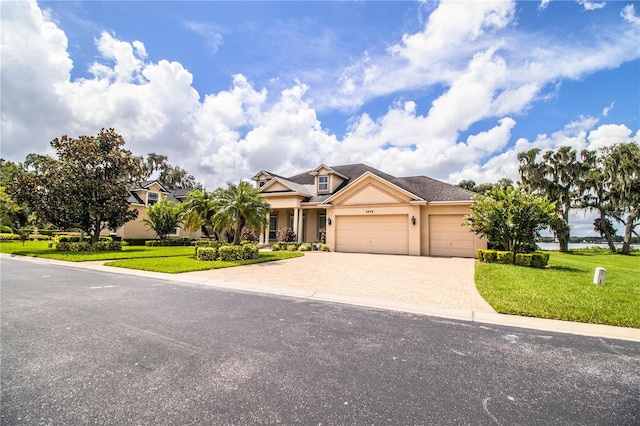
(157, 259)
(565, 289)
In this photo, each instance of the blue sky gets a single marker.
(452, 90)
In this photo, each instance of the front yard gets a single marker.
(565, 290)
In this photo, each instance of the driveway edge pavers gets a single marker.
(542, 324)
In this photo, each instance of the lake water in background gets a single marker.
(575, 246)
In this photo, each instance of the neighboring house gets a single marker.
(140, 199)
(365, 210)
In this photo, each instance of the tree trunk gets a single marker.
(603, 227)
(626, 245)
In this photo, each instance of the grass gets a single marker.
(170, 260)
(565, 290)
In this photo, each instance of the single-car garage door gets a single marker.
(448, 238)
(373, 234)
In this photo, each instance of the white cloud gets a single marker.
(591, 5)
(629, 14)
(231, 134)
(211, 33)
(543, 4)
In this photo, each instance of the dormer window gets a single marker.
(262, 183)
(323, 183)
(152, 198)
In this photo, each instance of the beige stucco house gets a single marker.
(365, 210)
(140, 199)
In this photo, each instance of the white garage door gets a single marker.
(373, 234)
(448, 238)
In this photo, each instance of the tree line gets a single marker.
(553, 183)
(87, 184)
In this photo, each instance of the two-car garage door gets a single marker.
(373, 234)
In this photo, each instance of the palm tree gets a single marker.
(163, 217)
(239, 206)
(199, 208)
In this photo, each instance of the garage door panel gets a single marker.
(448, 238)
(372, 234)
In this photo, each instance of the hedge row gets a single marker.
(171, 242)
(227, 252)
(16, 237)
(87, 246)
(286, 246)
(76, 239)
(533, 260)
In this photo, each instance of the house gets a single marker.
(141, 198)
(364, 210)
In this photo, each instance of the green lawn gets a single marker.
(565, 290)
(158, 259)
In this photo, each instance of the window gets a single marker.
(262, 183)
(152, 198)
(323, 183)
(273, 227)
(322, 226)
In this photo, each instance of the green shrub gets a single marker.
(86, 246)
(523, 259)
(505, 257)
(539, 260)
(9, 237)
(171, 242)
(206, 253)
(250, 251)
(305, 247)
(481, 255)
(490, 256)
(280, 245)
(324, 247)
(39, 237)
(230, 253)
(136, 241)
(4, 229)
(292, 246)
(207, 243)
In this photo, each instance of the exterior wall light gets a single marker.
(413, 220)
(329, 220)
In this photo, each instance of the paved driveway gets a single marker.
(431, 281)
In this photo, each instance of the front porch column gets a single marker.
(300, 227)
(296, 212)
(264, 235)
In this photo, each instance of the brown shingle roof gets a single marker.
(423, 187)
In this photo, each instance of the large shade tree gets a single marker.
(85, 186)
(621, 166)
(157, 166)
(240, 206)
(510, 218)
(556, 175)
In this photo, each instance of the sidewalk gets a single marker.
(442, 287)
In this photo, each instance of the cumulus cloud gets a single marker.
(230, 135)
(629, 14)
(591, 5)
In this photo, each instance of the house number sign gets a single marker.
(368, 211)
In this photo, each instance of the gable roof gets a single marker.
(424, 188)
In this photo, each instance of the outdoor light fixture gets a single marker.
(329, 221)
(413, 220)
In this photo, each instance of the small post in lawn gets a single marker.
(598, 277)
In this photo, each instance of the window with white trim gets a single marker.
(152, 198)
(323, 183)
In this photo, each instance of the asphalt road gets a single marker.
(84, 347)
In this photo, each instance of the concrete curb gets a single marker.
(542, 324)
